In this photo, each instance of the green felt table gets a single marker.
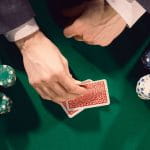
(36, 124)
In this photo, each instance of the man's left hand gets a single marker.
(99, 24)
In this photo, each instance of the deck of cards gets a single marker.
(96, 96)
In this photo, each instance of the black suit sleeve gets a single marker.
(145, 4)
(14, 13)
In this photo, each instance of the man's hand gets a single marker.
(47, 68)
(99, 24)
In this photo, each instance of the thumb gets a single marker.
(70, 31)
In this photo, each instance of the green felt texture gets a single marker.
(35, 124)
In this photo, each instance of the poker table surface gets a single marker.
(37, 124)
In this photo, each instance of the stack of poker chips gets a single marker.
(7, 79)
(5, 104)
(143, 85)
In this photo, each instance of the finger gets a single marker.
(74, 29)
(70, 75)
(54, 91)
(70, 31)
(48, 89)
(119, 28)
(42, 93)
(70, 85)
(114, 28)
(90, 43)
(66, 66)
(103, 41)
(76, 81)
(106, 39)
(51, 95)
(59, 90)
(78, 38)
(67, 71)
(54, 97)
(90, 36)
(102, 38)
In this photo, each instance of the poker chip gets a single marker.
(143, 87)
(146, 59)
(7, 76)
(5, 104)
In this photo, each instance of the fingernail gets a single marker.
(68, 36)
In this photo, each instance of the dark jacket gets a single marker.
(145, 4)
(13, 13)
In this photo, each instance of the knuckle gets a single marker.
(59, 101)
(34, 83)
(62, 94)
(30, 82)
(45, 78)
(59, 74)
(104, 44)
(50, 77)
(87, 38)
(55, 74)
(44, 97)
(70, 89)
(53, 78)
(66, 62)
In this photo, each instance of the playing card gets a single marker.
(72, 113)
(97, 95)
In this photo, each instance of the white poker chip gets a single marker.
(143, 87)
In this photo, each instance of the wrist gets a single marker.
(25, 43)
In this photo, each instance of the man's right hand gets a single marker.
(47, 68)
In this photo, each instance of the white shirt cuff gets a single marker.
(22, 31)
(129, 10)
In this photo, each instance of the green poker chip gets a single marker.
(7, 76)
(5, 104)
